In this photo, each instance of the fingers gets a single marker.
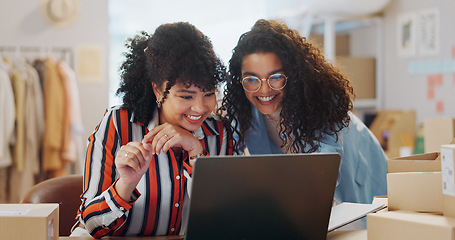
(148, 138)
(134, 155)
(162, 142)
(165, 136)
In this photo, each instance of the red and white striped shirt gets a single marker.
(159, 200)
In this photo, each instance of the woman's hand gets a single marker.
(131, 161)
(166, 136)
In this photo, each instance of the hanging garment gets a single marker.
(54, 105)
(19, 88)
(7, 121)
(22, 177)
(8, 116)
(73, 145)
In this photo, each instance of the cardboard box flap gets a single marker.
(27, 210)
(422, 218)
(425, 156)
(427, 162)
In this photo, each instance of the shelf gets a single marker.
(365, 103)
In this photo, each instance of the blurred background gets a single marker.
(399, 55)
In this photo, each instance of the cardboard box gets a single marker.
(381, 200)
(427, 162)
(448, 179)
(361, 73)
(438, 131)
(341, 43)
(415, 191)
(29, 221)
(406, 225)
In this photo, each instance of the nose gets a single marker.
(265, 88)
(199, 105)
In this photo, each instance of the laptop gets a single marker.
(278, 196)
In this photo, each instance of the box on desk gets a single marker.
(29, 221)
(405, 225)
(415, 191)
(427, 162)
(438, 131)
(448, 179)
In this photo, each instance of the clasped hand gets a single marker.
(133, 159)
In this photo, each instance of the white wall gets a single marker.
(22, 24)
(403, 89)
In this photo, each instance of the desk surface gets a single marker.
(335, 235)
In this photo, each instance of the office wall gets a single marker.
(429, 90)
(413, 77)
(22, 24)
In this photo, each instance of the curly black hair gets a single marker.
(177, 53)
(316, 99)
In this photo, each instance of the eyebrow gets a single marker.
(270, 73)
(186, 91)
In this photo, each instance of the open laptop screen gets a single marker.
(286, 196)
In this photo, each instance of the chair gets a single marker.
(65, 191)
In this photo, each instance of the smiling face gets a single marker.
(262, 65)
(185, 107)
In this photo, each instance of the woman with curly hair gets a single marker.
(282, 96)
(140, 157)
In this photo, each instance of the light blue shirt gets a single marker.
(363, 168)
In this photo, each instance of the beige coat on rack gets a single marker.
(23, 172)
(54, 102)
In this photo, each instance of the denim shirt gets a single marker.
(363, 167)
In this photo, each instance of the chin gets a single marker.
(192, 127)
(266, 110)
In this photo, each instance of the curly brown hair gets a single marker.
(177, 53)
(317, 97)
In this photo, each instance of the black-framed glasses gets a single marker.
(276, 81)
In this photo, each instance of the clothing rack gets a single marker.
(66, 53)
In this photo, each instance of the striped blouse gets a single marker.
(159, 203)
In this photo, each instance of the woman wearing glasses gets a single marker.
(283, 97)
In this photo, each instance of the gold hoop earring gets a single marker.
(158, 103)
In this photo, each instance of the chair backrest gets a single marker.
(65, 191)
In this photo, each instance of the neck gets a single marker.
(274, 117)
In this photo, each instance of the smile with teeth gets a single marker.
(192, 117)
(266, 99)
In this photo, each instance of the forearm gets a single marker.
(105, 213)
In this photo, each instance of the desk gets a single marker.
(335, 235)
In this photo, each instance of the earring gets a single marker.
(158, 103)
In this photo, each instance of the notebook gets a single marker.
(279, 196)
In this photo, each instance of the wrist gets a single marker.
(203, 153)
(124, 190)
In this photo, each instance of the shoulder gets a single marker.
(356, 126)
(113, 109)
(215, 126)
(215, 120)
(118, 116)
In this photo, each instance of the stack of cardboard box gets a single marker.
(420, 191)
